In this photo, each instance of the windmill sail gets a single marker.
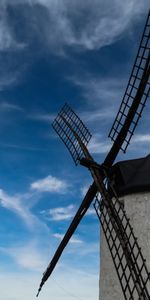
(65, 124)
(125, 251)
(136, 93)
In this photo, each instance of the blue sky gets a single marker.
(53, 51)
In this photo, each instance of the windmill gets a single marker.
(126, 253)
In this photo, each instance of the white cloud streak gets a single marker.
(92, 116)
(140, 144)
(97, 146)
(141, 138)
(7, 39)
(64, 213)
(15, 204)
(47, 118)
(9, 78)
(91, 212)
(27, 256)
(61, 213)
(84, 189)
(50, 184)
(100, 92)
(21, 205)
(9, 107)
(73, 240)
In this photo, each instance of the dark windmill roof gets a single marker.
(132, 176)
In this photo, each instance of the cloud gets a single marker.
(97, 146)
(82, 285)
(47, 118)
(91, 212)
(84, 189)
(21, 205)
(8, 78)
(64, 213)
(7, 38)
(141, 138)
(15, 204)
(55, 26)
(73, 240)
(87, 25)
(10, 48)
(140, 144)
(50, 184)
(61, 213)
(101, 90)
(92, 116)
(9, 107)
(22, 147)
(84, 249)
(27, 256)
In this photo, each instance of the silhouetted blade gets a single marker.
(74, 224)
(67, 124)
(136, 93)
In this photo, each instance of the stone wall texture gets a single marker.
(137, 207)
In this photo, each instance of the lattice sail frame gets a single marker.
(126, 253)
(138, 87)
(68, 126)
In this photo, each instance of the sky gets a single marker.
(52, 52)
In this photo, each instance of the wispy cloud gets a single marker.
(8, 78)
(101, 23)
(92, 116)
(64, 213)
(97, 145)
(84, 249)
(21, 205)
(22, 147)
(84, 189)
(7, 38)
(141, 138)
(27, 256)
(50, 184)
(10, 46)
(91, 212)
(82, 285)
(61, 213)
(73, 240)
(10, 107)
(42, 117)
(102, 96)
(15, 204)
(80, 25)
(140, 144)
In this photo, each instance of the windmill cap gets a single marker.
(132, 176)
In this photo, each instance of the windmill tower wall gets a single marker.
(137, 207)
